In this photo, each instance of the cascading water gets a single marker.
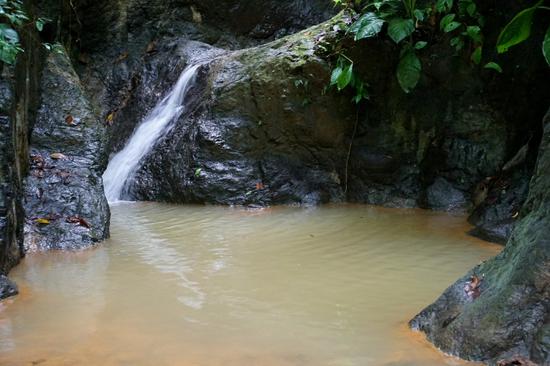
(125, 163)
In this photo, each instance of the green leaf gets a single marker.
(457, 43)
(408, 71)
(474, 32)
(39, 25)
(198, 172)
(476, 55)
(369, 25)
(448, 24)
(493, 66)
(546, 46)
(443, 6)
(452, 26)
(335, 75)
(419, 15)
(399, 29)
(420, 45)
(518, 30)
(345, 77)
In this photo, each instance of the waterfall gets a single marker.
(126, 162)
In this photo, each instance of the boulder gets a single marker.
(501, 309)
(64, 201)
(260, 131)
(8, 288)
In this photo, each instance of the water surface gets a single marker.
(213, 286)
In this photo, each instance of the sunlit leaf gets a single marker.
(369, 25)
(518, 30)
(345, 77)
(335, 75)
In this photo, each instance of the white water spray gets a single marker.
(125, 163)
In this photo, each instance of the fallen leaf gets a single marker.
(58, 156)
(70, 120)
(472, 287)
(151, 47)
(515, 215)
(63, 174)
(123, 56)
(43, 221)
(110, 117)
(78, 220)
(259, 186)
(37, 161)
(38, 173)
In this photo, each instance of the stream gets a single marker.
(209, 286)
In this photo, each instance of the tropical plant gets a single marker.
(12, 15)
(404, 19)
(519, 28)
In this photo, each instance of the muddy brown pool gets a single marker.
(209, 286)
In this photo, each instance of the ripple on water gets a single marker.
(205, 285)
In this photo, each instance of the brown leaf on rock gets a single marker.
(151, 47)
(472, 287)
(70, 120)
(260, 186)
(58, 156)
(78, 220)
(38, 174)
(123, 56)
(37, 161)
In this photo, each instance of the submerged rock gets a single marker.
(510, 317)
(64, 200)
(8, 288)
(442, 195)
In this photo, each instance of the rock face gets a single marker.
(11, 212)
(18, 95)
(64, 200)
(506, 315)
(260, 132)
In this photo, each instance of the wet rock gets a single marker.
(265, 18)
(259, 130)
(8, 288)
(443, 196)
(66, 162)
(494, 219)
(509, 318)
